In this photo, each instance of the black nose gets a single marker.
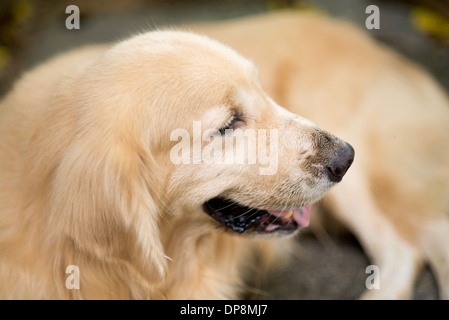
(340, 163)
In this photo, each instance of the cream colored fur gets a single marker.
(395, 198)
(86, 178)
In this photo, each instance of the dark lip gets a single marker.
(240, 218)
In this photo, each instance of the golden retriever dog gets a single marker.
(395, 198)
(94, 203)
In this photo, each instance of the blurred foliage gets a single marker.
(22, 11)
(4, 56)
(438, 6)
(14, 22)
(431, 22)
(293, 4)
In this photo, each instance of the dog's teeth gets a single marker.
(288, 215)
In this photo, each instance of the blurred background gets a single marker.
(328, 262)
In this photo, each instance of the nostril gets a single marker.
(341, 163)
(335, 174)
(336, 171)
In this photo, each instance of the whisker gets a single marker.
(231, 204)
(241, 215)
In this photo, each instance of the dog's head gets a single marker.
(234, 154)
(172, 127)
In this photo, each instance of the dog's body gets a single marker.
(85, 177)
(396, 196)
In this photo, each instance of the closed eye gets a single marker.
(234, 122)
(228, 125)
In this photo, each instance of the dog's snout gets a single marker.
(341, 163)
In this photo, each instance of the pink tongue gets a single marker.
(301, 215)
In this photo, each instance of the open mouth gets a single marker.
(240, 218)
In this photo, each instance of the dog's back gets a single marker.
(396, 197)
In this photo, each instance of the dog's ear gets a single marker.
(102, 199)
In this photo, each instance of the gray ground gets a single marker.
(331, 269)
